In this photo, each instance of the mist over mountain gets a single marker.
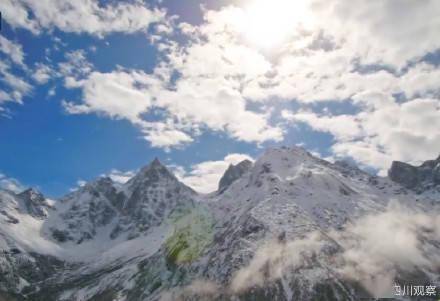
(289, 226)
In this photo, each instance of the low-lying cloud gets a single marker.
(379, 247)
(374, 252)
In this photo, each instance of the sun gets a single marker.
(269, 23)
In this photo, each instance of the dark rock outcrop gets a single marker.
(233, 173)
(34, 202)
(415, 177)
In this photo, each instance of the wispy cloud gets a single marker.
(82, 16)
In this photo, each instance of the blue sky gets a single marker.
(103, 87)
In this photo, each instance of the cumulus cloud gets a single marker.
(384, 130)
(328, 62)
(213, 78)
(125, 95)
(74, 68)
(85, 16)
(216, 104)
(205, 176)
(194, 104)
(343, 127)
(122, 95)
(165, 135)
(42, 73)
(391, 39)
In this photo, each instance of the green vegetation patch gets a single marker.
(193, 232)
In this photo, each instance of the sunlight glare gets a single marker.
(268, 23)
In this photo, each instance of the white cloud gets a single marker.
(10, 184)
(421, 81)
(379, 247)
(83, 16)
(200, 288)
(218, 80)
(383, 131)
(197, 101)
(165, 136)
(117, 176)
(74, 68)
(42, 73)
(275, 259)
(51, 92)
(376, 251)
(366, 153)
(211, 71)
(408, 131)
(16, 14)
(81, 183)
(120, 177)
(205, 176)
(18, 87)
(343, 127)
(13, 50)
(118, 95)
(216, 104)
(391, 38)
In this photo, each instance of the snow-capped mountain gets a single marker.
(288, 227)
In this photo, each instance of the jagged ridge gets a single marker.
(141, 239)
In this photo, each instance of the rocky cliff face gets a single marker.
(420, 177)
(288, 227)
(34, 203)
(233, 173)
(104, 208)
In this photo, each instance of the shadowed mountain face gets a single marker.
(288, 227)
(420, 177)
(233, 173)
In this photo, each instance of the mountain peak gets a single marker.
(153, 172)
(31, 193)
(233, 173)
(291, 151)
(156, 162)
(34, 202)
(412, 177)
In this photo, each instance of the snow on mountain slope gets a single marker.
(287, 227)
(102, 214)
(329, 194)
(99, 226)
(21, 218)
